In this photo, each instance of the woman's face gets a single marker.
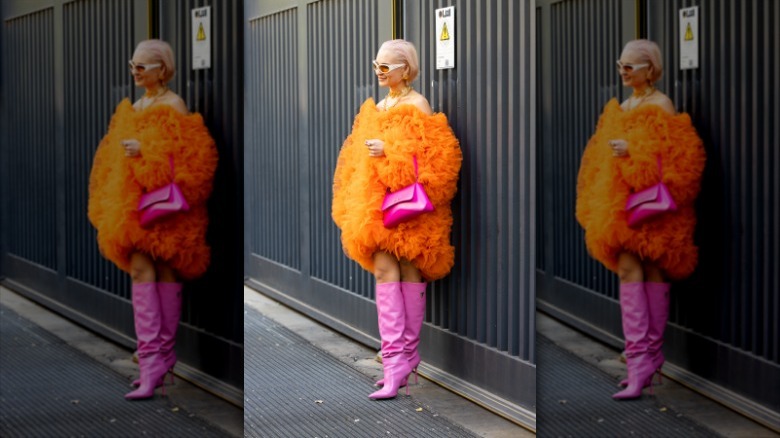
(395, 76)
(145, 70)
(634, 72)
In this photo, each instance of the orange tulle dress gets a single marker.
(117, 183)
(605, 182)
(361, 181)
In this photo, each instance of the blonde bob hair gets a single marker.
(161, 52)
(649, 52)
(405, 52)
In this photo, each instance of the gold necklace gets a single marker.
(152, 100)
(398, 95)
(639, 99)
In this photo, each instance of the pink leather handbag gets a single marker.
(405, 204)
(162, 202)
(650, 202)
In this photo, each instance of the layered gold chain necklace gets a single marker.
(638, 98)
(397, 95)
(149, 101)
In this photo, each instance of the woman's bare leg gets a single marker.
(409, 272)
(630, 268)
(386, 268)
(142, 269)
(165, 274)
(652, 273)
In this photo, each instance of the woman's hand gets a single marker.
(619, 147)
(132, 147)
(376, 147)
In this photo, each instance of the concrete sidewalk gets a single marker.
(578, 375)
(303, 379)
(58, 379)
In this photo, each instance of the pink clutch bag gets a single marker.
(405, 204)
(650, 202)
(162, 202)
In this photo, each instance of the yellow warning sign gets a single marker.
(688, 33)
(445, 34)
(201, 33)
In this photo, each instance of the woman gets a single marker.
(637, 144)
(379, 156)
(150, 144)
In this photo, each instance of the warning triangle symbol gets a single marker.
(445, 34)
(201, 33)
(688, 33)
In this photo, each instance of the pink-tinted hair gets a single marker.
(648, 51)
(405, 52)
(162, 52)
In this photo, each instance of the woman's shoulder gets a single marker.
(663, 101)
(176, 102)
(420, 102)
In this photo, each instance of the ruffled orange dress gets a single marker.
(361, 181)
(117, 183)
(605, 182)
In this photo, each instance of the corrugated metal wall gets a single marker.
(489, 99)
(68, 65)
(300, 108)
(725, 316)
(342, 39)
(30, 162)
(275, 39)
(734, 100)
(102, 32)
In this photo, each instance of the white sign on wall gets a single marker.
(201, 38)
(689, 38)
(445, 38)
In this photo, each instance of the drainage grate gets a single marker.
(575, 400)
(294, 389)
(48, 388)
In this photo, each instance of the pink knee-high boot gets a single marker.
(391, 318)
(658, 304)
(658, 308)
(170, 310)
(147, 318)
(414, 306)
(636, 321)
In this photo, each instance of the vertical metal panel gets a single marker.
(96, 33)
(734, 102)
(30, 137)
(489, 100)
(343, 39)
(272, 99)
(586, 40)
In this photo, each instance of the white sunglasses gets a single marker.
(385, 68)
(630, 68)
(140, 68)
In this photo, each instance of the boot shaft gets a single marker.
(635, 317)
